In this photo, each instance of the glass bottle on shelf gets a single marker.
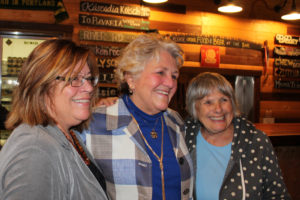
(14, 53)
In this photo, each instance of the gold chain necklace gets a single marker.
(160, 159)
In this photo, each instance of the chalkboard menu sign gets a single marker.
(287, 40)
(287, 62)
(286, 52)
(282, 84)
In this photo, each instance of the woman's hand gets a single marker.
(108, 101)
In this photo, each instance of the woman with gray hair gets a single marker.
(232, 159)
(139, 141)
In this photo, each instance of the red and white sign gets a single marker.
(210, 56)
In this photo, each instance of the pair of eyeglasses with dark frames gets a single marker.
(79, 80)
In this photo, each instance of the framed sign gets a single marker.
(210, 56)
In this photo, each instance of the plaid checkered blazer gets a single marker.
(118, 148)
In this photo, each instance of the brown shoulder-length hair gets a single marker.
(52, 58)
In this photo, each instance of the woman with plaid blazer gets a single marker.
(138, 141)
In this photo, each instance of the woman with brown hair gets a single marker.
(43, 158)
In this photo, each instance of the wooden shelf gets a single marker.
(280, 129)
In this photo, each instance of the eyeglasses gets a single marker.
(79, 80)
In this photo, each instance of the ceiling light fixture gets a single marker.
(293, 15)
(230, 7)
(155, 1)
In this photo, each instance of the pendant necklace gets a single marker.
(159, 158)
(153, 133)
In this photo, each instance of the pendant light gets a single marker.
(155, 1)
(230, 7)
(293, 15)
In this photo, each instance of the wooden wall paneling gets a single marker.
(167, 7)
(54, 30)
(289, 162)
(175, 27)
(283, 111)
(240, 60)
(242, 56)
(293, 30)
(244, 52)
(27, 16)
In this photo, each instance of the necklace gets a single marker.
(75, 143)
(159, 158)
(153, 133)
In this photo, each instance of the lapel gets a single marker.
(119, 118)
(175, 127)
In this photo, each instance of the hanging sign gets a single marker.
(287, 72)
(56, 5)
(109, 51)
(287, 39)
(94, 20)
(106, 77)
(96, 7)
(289, 63)
(108, 91)
(106, 62)
(214, 40)
(210, 56)
(29, 4)
(106, 36)
(281, 84)
(286, 52)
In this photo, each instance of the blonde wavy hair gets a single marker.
(144, 48)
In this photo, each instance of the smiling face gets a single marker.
(155, 85)
(215, 112)
(71, 105)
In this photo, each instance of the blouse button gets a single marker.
(181, 161)
(186, 191)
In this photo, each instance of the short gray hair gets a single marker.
(202, 85)
(135, 56)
